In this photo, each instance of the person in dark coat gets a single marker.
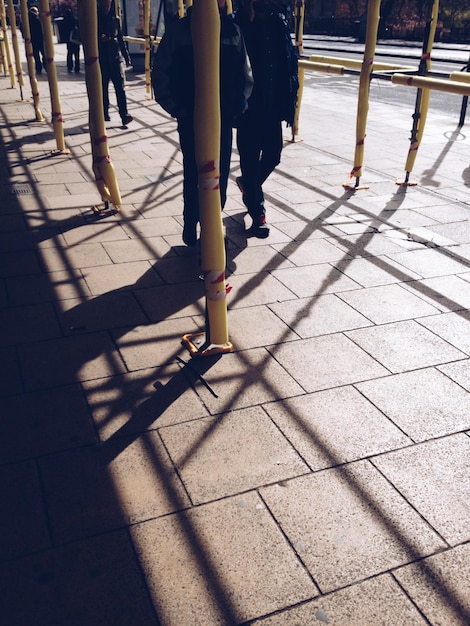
(274, 61)
(37, 39)
(70, 25)
(113, 53)
(173, 84)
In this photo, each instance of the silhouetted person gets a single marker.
(70, 25)
(112, 55)
(37, 39)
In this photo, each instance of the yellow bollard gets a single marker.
(299, 29)
(6, 43)
(57, 119)
(373, 16)
(103, 169)
(205, 31)
(422, 98)
(30, 60)
(16, 49)
(146, 8)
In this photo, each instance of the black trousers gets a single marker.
(259, 143)
(73, 56)
(114, 72)
(190, 171)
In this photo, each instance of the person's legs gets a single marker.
(225, 157)
(37, 60)
(69, 57)
(271, 148)
(117, 77)
(190, 180)
(249, 148)
(105, 89)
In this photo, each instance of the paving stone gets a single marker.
(310, 317)
(336, 426)
(311, 252)
(137, 250)
(459, 372)
(81, 256)
(349, 524)
(28, 323)
(221, 563)
(315, 280)
(254, 289)
(372, 272)
(24, 525)
(97, 581)
(435, 478)
(375, 602)
(387, 303)
(232, 453)
(449, 293)
(18, 263)
(430, 263)
(315, 365)
(406, 345)
(135, 275)
(453, 327)
(34, 289)
(257, 326)
(440, 586)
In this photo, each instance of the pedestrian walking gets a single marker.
(71, 33)
(173, 84)
(274, 61)
(37, 39)
(113, 53)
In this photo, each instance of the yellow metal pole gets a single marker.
(180, 8)
(146, 8)
(16, 48)
(6, 43)
(299, 29)
(373, 16)
(205, 32)
(422, 99)
(2, 55)
(30, 60)
(57, 119)
(461, 88)
(103, 169)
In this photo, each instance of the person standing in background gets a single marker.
(73, 41)
(113, 53)
(274, 61)
(37, 39)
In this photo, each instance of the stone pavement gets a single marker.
(320, 473)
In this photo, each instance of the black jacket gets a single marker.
(112, 48)
(173, 70)
(274, 61)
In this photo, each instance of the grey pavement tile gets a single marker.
(387, 303)
(110, 310)
(139, 401)
(65, 200)
(172, 301)
(447, 293)
(440, 586)
(67, 360)
(152, 227)
(257, 326)
(430, 262)
(96, 489)
(434, 477)
(371, 245)
(300, 230)
(81, 256)
(459, 372)
(314, 280)
(152, 345)
(402, 346)
(255, 289)
(95, 233)
(405, 219)
(23, 525)
(458, 231)
(137, 250)
(243, 379)
(35, 424)
(327, 314)
(18, 263)
(311, 252)
(183, 268)
(453, 327)
(328, 361)
(336, 426)
(28, 323)
(10, 374)
(423, 404)
(229, 454)
(375, 602)
(97, 581)
(220, 563)
(349, 524)
(375, 271)
(261, 258)
(35, 289)
(133, 275)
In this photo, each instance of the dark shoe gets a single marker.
(106, 117)
(259, 227)
(127, 120)
(189, 233)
